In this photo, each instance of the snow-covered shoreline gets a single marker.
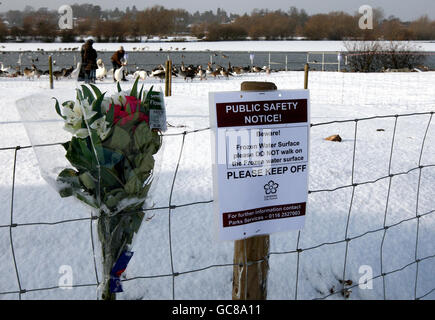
(204, 265)
(253, 46)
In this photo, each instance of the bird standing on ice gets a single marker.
(159, 72)
(4, 69)
(76, 71)
(202, 73)
(118, 60)
(101, 72)
(29, 73)
(119, 74)
(142, 74)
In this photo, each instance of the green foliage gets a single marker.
(133, 91)
(117, 168)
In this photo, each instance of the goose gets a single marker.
(59, 74)
(160, 75)
(38, 72)
(159, 72)
(230, 67)
(29, 73)
(239, 70)
(216, 73)
(76, 71)
(142, 74)
(101, 72)
(225, 73)
(201, 73)
(174, 71)
(190, 73)
(3, 69)
(68, 72)
(236, 70)
(209, 69)
(245, 69)
(256, 69)
(158, 68)
(184, 72)
(119, 73)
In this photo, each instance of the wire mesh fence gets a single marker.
(350, 89)
(423, 166)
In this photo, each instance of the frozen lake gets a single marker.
(280, 55)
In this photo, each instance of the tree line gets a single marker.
(130, 24)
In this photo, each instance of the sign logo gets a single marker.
(270, 190)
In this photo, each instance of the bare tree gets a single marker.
(423, 29)
(361, 55)
(117, 25)
(375, 56)
(4, 32)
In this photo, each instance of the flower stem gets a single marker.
(106, 294)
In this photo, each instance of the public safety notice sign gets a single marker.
(260, 144)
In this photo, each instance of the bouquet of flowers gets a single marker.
(111, 154)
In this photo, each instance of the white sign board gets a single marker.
(260, 148)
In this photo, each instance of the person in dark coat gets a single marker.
(89, 58)
(117, 61)
(82, 73)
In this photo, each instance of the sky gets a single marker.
(404, 9)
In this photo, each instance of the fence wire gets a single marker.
(298, 251)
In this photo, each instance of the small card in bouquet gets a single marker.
(157, 111)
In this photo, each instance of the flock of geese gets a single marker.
(182, 71)
(187, 73)
(33, 71)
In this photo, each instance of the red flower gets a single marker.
(121, 113)
(133, 102)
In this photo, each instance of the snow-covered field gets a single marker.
(268, 46)
(41, 250)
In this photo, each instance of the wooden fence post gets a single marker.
(323, 61)
(168, 78)
(251, 255)
(306, 69)
(50, 70)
